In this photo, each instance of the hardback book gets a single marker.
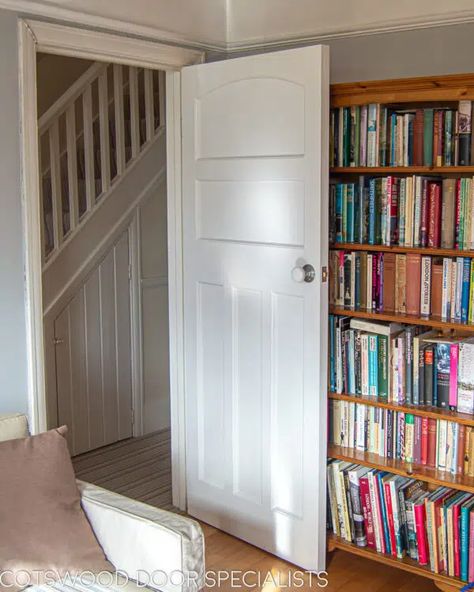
(465, 384)
(419, 520)
(400, 284)
(443, 369)
(434, 223)
(436, 288)
(464, 132)
(372, 152)
(429, 359)
(418, 138)
(466, 509)
(354, 475)
(428, 137)
(413, 271)
(367, 510)
(375, 327)
(448, 213)
(389, 282)
(425, 288)
(363, 136)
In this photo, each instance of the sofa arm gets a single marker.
(159, 549)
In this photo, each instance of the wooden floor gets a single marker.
(346, 572)
(139, 468)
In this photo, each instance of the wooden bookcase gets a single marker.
(428, 91)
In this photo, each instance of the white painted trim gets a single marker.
(324, 33)
(137, 326)
(175, 289)
(110, 47)
(39, 9)
(84, 19)
(30, 192)
(35, 36)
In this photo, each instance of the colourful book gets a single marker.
(367, 511)
(420, 529)
(453, 377)
(428, 137)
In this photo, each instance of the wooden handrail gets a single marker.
(73, 93)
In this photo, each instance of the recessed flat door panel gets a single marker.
(269, 212)
(287, 413)
(255, 181)
(247, 394)
(210, 383)
(237, 119)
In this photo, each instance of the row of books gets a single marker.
(377, 135)
(401, 364)
(435, 443)
(398, 516)
(411, 211)
(412, 284)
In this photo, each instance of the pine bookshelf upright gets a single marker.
(403, 94)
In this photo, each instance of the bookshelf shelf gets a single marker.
(405, 170)
(397, 249)
(406, 563)
(402, 318)
(423, 411)
(374, 461)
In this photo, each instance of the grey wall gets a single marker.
(13, 361)
(424, 52)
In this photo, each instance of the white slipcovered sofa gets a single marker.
(150, 548)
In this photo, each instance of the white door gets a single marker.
(255, 182)
(93, 356)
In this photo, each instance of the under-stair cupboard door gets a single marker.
(255, 192)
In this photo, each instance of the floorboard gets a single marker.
(140, 468)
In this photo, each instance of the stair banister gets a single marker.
(73, 93)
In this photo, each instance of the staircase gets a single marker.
(89, 140)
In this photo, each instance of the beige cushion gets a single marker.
(44, 530)
(13, 426)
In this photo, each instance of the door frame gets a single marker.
(38, 36)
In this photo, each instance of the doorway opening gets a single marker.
(102, 177)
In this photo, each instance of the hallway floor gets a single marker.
(139, 468)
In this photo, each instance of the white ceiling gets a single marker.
(237, 24)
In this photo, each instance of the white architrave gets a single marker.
(37, 36)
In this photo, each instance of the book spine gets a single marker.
(390, 520)
(464, 132)
(432, 429)
(424, 440)
(367, 511)
(434, 223)
(453, 377)
(428, 137)
(372, 136)
(383, 369)
(420, 514)
(425, 296)
(377, 517)
(363, 136)
(471, 548)
(464, 543)
(357, 511)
